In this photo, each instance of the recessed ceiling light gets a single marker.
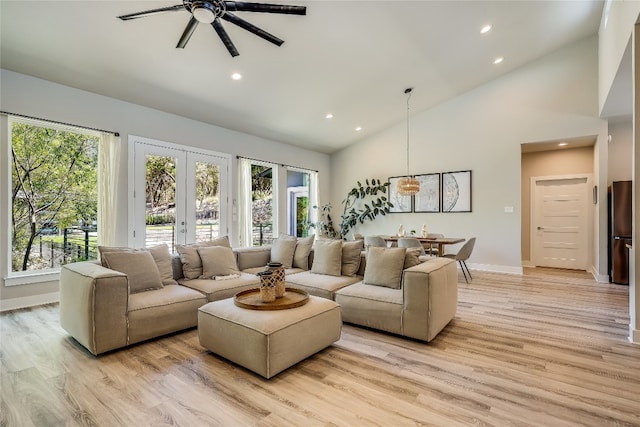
(329, 116)
(498, 60)
(485, 29)
(563, 144)
(359, 128)
(236, 76)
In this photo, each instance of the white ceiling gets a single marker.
(351, 58)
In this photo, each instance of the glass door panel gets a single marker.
(207, 201)
(206, 197)
(160, 200)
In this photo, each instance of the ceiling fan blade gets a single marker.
(252, 28)
(241, 6)
(151, 12)
(222, 33)
(188, 31)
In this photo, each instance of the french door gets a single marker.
(180, 195)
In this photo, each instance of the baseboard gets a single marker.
(634, 335)
(528, 263)
(495, 268)
(15, 303)
(600, 278)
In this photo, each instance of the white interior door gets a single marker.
(179, 196)
(561, 221)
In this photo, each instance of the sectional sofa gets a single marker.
(105, 307)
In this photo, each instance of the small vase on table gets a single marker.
(267, 286)
(277, 270)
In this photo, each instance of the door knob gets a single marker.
(540, 228)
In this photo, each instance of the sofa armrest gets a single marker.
(430, 297)
(93, 306)
(252, 257)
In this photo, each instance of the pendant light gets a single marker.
(408, 186)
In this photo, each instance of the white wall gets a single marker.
(614, 37)
(552, 98)
(35, 97)
(620, 152)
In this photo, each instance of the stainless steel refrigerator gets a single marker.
(619, 231)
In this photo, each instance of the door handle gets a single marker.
(540, 228)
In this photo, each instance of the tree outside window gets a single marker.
(54, 199)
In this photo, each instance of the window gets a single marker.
(54, 197)
(258, 212)
(298, 206)
(261, 186)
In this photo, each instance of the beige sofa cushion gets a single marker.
(384, 267)
(221, 289)
(139, 266)
(301, 254)
(412, 257)
(217, 261)
(320, 285)
(327, 257)
(375, 307)
(160, 255)
(351, 257)
(162, 311)
(191, 262)
(283, 250)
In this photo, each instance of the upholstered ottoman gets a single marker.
(268, 341)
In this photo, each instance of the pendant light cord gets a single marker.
(408, 92)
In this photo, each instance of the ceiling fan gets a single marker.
(211, 11)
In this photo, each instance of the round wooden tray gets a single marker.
(251, 299)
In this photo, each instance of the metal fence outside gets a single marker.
(77, 245)
(81, 244)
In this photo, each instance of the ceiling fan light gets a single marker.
(204, 12)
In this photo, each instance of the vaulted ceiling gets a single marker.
(349, 58)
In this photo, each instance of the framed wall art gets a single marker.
(456, 191)
(401, 204)
(428, 198)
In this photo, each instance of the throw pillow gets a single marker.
(139, 266)
(283, 249)
(162, 258)
(104, 249)
(191, 262)
(327, 257)
(411, 257)
(384, 267)
(217, 261)
(351, 257)
(301, 254)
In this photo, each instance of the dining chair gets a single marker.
(374, 241)
(463, 255)
(411, 242)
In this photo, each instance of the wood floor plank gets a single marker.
(545, 348)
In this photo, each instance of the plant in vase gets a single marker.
(363, 203)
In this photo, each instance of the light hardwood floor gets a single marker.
(545, 349)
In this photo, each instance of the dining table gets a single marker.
(440, 241)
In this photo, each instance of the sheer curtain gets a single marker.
(108, 164)
(245, 221)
